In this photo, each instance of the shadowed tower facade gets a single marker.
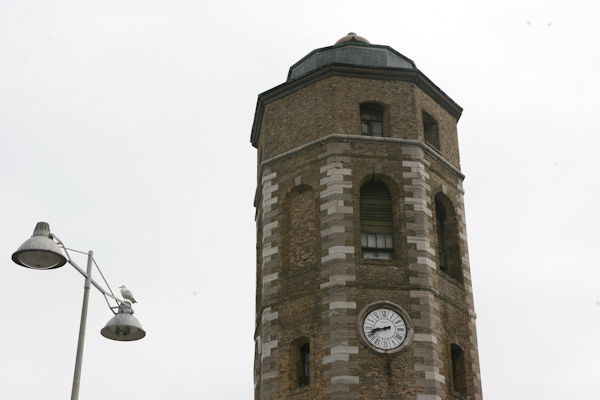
(363, 280)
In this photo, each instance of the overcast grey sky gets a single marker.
(125, 124)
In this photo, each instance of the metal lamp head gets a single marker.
(40, 251)
(123, 327)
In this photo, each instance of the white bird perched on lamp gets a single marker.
(126, 293)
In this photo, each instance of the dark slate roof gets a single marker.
(350, 52)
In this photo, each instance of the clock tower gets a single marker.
(363, 279)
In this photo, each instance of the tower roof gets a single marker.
(351, 50)
(355, 56)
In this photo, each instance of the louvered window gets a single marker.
(376, 221)
(371, 117)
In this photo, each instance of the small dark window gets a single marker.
(371, 117)
(376, 221)
(430, 129)
(299, 366)
(440, 220)
(304, 365)
(446, 237)
(459, 373)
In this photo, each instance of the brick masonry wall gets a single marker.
(331, 160)
(332, 106)
(447, 126)
(300, 224)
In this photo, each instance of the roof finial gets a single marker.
(352, 36)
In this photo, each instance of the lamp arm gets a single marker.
(82, 272)
(93, 282)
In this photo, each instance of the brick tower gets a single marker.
(363, 282)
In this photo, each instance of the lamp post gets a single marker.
(42, 251)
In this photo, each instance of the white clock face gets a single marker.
(384, 329)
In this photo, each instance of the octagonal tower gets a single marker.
(363, 280)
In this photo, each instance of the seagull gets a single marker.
(126, 293)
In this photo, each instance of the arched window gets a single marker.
(430, 129)
(446, 236)
(440, 235)
(376, 221)
(300, 362)
(459, 373)
(371, 118)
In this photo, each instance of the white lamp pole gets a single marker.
(45, 251)
(82, 325)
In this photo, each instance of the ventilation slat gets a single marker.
(376, 221)
(375, 208)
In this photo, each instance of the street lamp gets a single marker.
(43, 250)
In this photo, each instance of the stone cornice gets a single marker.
(356, 138)
(338, 137)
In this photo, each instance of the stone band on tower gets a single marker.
(363, 283)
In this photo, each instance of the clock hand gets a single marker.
(380, 329)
